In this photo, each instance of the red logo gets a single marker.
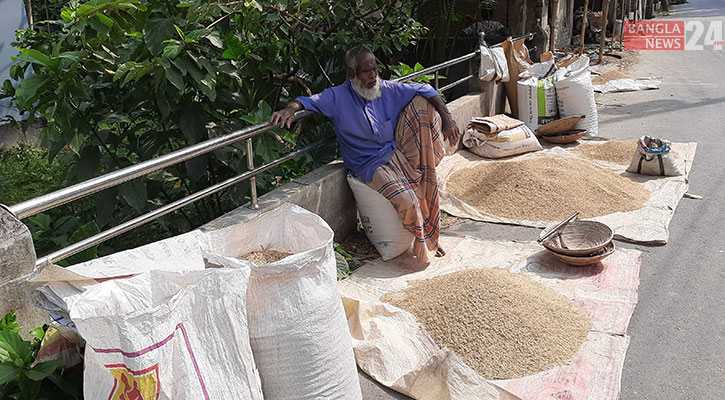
(654, 35)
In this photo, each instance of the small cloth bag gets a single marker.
(654, 157)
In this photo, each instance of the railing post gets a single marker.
(436, 80)
(17, 264)
(252, 180)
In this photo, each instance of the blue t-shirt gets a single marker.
(365, 129)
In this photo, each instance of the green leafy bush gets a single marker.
(19, 377)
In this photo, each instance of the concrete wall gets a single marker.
(12, 134)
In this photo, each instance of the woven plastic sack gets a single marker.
(575, 95)
(297, 326)
(487, 69)
(537, 95)
(654, 157)
(506, 143)
(167, 336)
(380, 220)
(500, 63)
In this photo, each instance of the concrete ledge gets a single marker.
(323, 191)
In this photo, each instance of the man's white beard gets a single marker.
(368, 94)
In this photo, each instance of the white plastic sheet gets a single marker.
(628, 85)
(392, 347)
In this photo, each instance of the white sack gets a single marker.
(380, 220)
(654, 157)
(297, 326)
(506, 143)
(487, 68)
(575, 95)
(537, 95)
(54, 287)
(168, 336)
(493, 64)
(502, 67)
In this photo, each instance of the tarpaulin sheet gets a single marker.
(393, 348)
(649, 224)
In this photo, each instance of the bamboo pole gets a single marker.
(621, 37)
(605, 12)
(584, 27)
(614, 25)
(554, 19)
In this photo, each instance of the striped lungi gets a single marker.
(409, 180)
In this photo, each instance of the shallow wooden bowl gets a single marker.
(580, 261)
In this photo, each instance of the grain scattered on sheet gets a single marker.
(503, 325)
(546, 189)
(615, 151)
(608, 76)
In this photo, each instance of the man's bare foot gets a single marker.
(440, 252)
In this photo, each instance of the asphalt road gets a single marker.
(677, 348)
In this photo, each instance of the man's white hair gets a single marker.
(352, 55)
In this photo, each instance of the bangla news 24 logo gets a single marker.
(673, 35)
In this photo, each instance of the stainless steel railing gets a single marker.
(45, 202)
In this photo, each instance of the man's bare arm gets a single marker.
(286, 115)
(448, 125)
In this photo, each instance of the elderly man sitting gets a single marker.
(390, 138)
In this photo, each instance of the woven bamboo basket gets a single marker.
(569, 137)
(578, 261)
(579, 238)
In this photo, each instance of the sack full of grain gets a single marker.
(297, 326)
(537, 104)
(575, 95)
(506, 143)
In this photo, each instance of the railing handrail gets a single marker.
(85, 188)
(62, 196)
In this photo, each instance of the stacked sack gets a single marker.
(546, 93)
(499, 136)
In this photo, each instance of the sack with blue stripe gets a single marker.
(654, 157)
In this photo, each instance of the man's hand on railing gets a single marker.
(285, 116)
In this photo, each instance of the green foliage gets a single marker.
(25, 172)
(403, 69)
(126, 80)
(19, 378)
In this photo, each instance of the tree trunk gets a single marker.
(605, 14)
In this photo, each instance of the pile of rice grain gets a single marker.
(608, 76)
(546, 189)
(264, 256)
(503, 325)
(616, 151)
